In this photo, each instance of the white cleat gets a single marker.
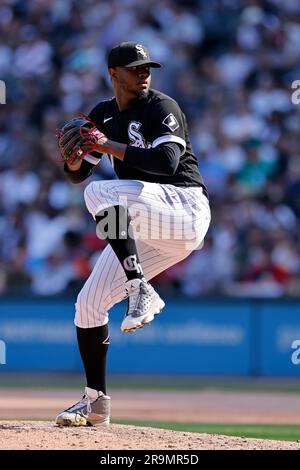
(92, 410)
(143, 304)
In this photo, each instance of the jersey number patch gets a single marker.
(171, 122)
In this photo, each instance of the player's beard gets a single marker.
(143, 94)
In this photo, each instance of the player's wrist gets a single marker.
(113, 148)
(75, 165)
(102, 147)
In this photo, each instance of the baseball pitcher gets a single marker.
(153, 216)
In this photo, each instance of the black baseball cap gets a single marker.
(130, 54)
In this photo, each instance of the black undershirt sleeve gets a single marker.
(161, 160)
(80, 175)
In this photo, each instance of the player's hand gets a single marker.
(77, 138)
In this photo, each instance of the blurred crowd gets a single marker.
(229, 63)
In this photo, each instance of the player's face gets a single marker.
(134, 81)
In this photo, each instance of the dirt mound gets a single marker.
(45, 435)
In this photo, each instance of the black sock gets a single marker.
(93, 345)
(113, 224)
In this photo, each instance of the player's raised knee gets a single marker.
(88, 192)
(90, 198)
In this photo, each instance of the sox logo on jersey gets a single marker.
(137, 139)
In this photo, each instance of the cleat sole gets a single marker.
(146, 321)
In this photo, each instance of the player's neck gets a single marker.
(126, 102)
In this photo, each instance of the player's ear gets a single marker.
(112, 72)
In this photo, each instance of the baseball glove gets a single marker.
(77, 138)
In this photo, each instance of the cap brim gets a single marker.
(144, 62)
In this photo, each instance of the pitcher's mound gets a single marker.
(45, 435)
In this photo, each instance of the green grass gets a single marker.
(121, 382)
(278, 432)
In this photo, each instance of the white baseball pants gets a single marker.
(169, 222)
